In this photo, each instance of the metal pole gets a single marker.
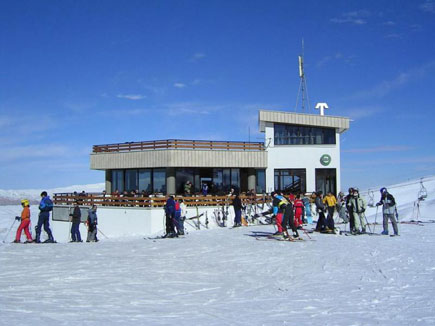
(9, 230)
(376, 216)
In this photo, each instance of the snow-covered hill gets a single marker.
(9, 197)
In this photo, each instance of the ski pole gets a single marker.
(98, 230)
(368, 225)
(376, 215)
(9, 230)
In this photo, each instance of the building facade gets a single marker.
(301, 153)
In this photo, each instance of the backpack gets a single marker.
(48, 205)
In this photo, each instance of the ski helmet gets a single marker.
(383, 189)
(25, 202)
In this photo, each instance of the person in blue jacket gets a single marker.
(170, 216)
(45, 206)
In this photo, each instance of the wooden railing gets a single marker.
(179, 144)
(116, 201)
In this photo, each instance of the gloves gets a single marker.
(17, 218)
(378, 204)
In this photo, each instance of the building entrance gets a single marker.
(326, 180)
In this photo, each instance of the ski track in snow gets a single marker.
(222, 277)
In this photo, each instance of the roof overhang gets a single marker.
(341, 124)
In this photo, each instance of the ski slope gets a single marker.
(226, 277)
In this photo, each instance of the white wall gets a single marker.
(299, 157)
(116, 222)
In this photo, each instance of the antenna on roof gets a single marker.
(303, 83)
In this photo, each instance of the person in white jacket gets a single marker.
(183, 208)
(358, 207)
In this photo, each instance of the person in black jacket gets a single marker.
(237, 203)
(170, 216)
(75, 218)
(350, 210)
(389, 211)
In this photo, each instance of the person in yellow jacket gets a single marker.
(330, 201)
(25, 222)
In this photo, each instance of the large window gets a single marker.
(145, 181)
(303, 135)
(261, 181)
(159, 180)
(150, 180)
(290, 180)
(118, 180)
(131, 181)
(181, 177)
(235, 179)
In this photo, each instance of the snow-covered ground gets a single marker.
(227, 277)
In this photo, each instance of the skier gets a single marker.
(170, 215)
(388, 210)
(349, 209)
(25, 222)
(322, 224)
(307, 209)
(177, 219)
(75, 218)
(277, 212)
(183, 213)
(330, 202)
(299, 211)
(341, 207)
(45, 206)
(288, 217)
(237, 204)
(358, 206)
(92, 224)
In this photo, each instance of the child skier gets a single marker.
(299, 211)
(277, 212)
(25, 223)
(92, 224)
(177, 219)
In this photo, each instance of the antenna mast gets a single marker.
(303, 83)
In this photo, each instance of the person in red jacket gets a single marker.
(299, 211)
(25, 223)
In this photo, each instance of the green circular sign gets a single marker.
(325, 160)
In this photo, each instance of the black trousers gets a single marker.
(288, 219)
(170, 223)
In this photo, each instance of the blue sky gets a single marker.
(78, 73)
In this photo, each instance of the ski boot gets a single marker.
(384, 232)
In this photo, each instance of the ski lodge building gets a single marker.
(300, 153)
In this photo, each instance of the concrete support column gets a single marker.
(170, 181)
(252, 179)
(108, 186)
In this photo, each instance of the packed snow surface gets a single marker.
(226, 276)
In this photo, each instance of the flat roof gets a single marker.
(302, 119)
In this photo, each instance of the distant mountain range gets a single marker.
(13, 197)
